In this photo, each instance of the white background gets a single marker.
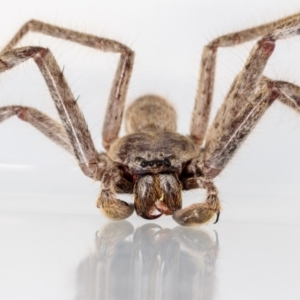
(259, 188)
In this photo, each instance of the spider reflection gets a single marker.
(149, 262)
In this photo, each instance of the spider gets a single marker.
(153, 161)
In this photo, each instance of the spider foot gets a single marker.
(195, 215)
(115, 209)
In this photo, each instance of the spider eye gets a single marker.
(144, 164)
(151, 163)
(167, 162)
(159, 163)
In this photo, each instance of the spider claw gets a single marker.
(218, 215)
(151, 214)
(163, 208)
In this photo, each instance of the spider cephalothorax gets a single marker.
(153, 161)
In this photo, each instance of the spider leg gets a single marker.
(200, 213)
(200, 117)
(289, 94)
(92, 164)
(110, 206)
(249, 97)
(115, 106)
(39, 120)
(67, 107)
(238, 130)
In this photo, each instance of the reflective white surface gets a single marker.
(54, 242)
(82, 256)
(55, 245)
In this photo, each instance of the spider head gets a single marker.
(157, 194)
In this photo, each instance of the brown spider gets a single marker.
(153, 161)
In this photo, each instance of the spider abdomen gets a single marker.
(150, 113)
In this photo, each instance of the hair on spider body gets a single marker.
(152, 161)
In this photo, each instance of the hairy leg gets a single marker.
(98, 167)
(66, 105)
(49, 127)
(289, 94)
(204, 94)
(235, 116)
(249, 97)
(200, 213)
(115, 106)
(110, 206)
(238, 130)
